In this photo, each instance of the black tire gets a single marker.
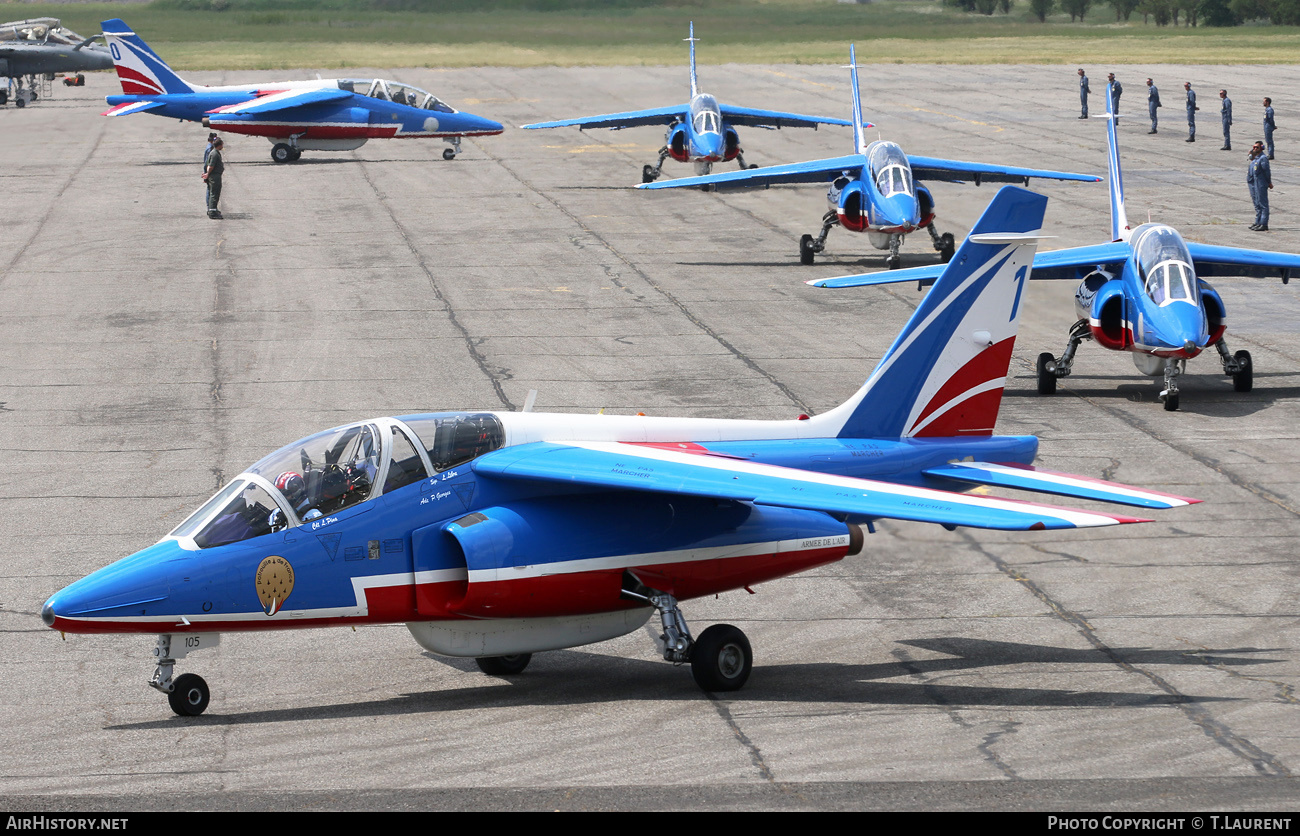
(1171, 403)
(894, 262)
(449, 154)
(753, 166)
(806, 253)
(20, 102)
(1244, 380)
(648, 174)
(281, 152)
(721, 659)
(504, 665)
(4, 97)
(189, 696)
(1046, 380)
(948, 247)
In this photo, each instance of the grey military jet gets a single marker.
(43, 47)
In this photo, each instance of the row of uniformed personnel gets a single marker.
(1153, 102)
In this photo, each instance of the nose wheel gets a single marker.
(189, 696)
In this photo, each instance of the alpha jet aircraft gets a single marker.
(702, 131)
(1144, 293)
(875, 189)
(41, 46)
(499, 535)
(319, 115)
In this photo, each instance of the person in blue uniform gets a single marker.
(1191, 112)
(1225, 116)
(1083, 94)
(1153, 102)
(1260, 179)
(1269, 126)
(1116, 89)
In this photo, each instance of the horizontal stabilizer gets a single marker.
(617, 466)
(1028, 478)
(131, 107)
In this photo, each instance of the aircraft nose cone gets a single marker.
(47, 614)
(899, 210)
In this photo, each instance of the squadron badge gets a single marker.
(274, 582)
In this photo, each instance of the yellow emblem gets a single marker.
(274, 582)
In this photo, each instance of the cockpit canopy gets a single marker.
(395, 91)
(1164, 264)
(890, 169)
(706, 116)
(325, 473)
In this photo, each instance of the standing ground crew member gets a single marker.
(1191, 112)
(1225, 115)
(1116, 89)
(1269, 125)
(1260, 179)
(1083, 94)
(212, 176)
(1153, 102)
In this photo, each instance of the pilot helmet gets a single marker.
(293, 487)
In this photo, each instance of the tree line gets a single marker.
(1159, 12)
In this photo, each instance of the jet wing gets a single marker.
(1029, 478)
(1056, 264)
(630, 119)
(621, 466)
(752, 118)
(816, 171)
(1212, 260)
(956, 171)
(131, 107)
(287, 100)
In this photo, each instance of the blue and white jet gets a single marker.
(499, 535)
(1144, 293)
(702, 131)
(329, 114)
(876, 189)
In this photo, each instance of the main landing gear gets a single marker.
(721, 658)
(283, 152)
(810, 246)
(1238, 367)
(740, 158)
(650, 173)
(1050, 368)
(945, 245)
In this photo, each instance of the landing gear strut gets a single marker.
(893, 261)
(1050, 368)
(809, 246)
(450, 153)
(187, 694)
(740, 158)
(721, 658)
(1173, 368)
(650, 173)
(944, 244)
(1237, 366)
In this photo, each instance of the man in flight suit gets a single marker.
(1083, 93)
(1191, 112)
(1116, 89)
(1225, 114)
(1260, 179)
(1153, 102)
(212, 176)
(1269, 125)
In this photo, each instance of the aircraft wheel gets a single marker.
(753, 165)
(1171, 403)
(20, 102)
(189, 696)
(1244, 380)
(947, 247)
(894, 262)
(721, 659)
(4, 97)
(34, 95)
(806, 252)
(504, 665)
(648, 174)
(449, 153)
(1046, 380)
(297, 155)
(281, 152)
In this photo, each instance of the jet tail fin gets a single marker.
(695, 85)
(859, 130)
(140, 70)
(944, 374)
(1119, 228)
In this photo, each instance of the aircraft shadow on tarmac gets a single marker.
(1213, 397)
(572, 677)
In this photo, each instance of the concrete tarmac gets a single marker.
(148, 354)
